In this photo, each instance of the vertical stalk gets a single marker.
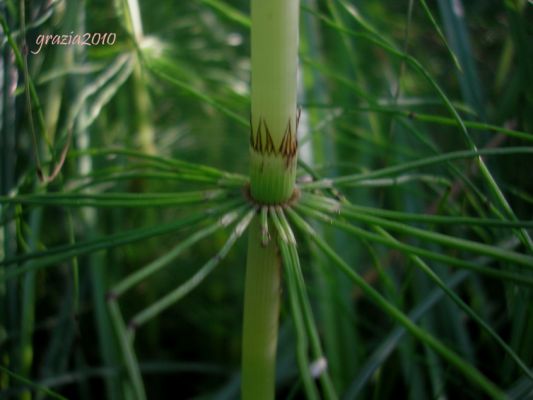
(273, 152)
(261, 310)
(143, 106)
(274, 120)
(9, 291)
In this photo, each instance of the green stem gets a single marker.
(128, 353)
(274, 119)
(273, 154)
(261, 310)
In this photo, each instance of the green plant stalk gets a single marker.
(274, 116)
(261, 311)
(141, 98)
(273, 153)
(28, 304)
(127, 351)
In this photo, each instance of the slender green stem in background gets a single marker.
(461, 304)
(128, 353)
(428, 13)
(30, 85)
(392, 341)
(141, 99)
(38, 388)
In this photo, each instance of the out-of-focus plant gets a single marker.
(401, 237)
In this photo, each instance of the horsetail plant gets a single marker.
(273, 152)
(280, 218)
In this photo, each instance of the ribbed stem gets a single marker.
(273, 151)
(261, 310)
(273, 144)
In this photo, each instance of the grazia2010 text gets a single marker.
(78, 39)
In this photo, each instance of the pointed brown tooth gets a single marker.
(269, 146)
(258, 138)
(282, 144)
(252, 145)
(288, 146)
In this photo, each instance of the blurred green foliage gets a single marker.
(179, 90)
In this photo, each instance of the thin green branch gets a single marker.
(462, 305)
(31, 384)
(335, 206)
(265, 235)
(128, 353)
(171, 164)
(194, 92)
(122, 200)
(410, 165)
(437, 28)
(141, 175)
(517, 278)
(431, 118)
(60, 253)
(182, 290)
(144, 272)
(466, 369)
(445, 240)
(390, 343)
(312, 332)
(297, 314)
